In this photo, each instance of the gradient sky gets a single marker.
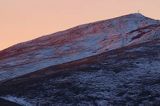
(22, 20)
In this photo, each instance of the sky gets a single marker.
(23, 20)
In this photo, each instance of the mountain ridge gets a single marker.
(138, 14)
(77, 43)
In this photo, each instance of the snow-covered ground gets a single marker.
(77, 43)
(21, 101)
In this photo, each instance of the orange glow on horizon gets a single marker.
(23, 20)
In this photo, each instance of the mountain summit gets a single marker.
(77, 43)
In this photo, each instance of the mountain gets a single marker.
(129, 76)
(114, 62)
(76, 43)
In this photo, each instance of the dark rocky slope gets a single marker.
(127, 76)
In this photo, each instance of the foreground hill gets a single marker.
(76, 43)
(127, 76)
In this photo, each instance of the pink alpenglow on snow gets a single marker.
(76, 43)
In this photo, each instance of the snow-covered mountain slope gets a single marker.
(76, 43)
(128, 76)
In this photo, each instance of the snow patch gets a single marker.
(21, 101)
